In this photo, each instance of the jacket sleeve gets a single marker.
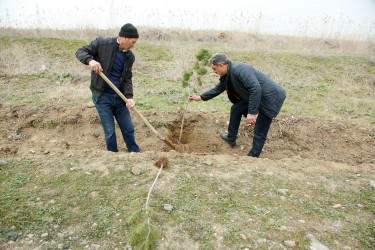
(87, 53)
(251, 84)
(215, 91)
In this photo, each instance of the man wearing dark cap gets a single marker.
(113, 57)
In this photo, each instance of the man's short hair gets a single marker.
(218, 58)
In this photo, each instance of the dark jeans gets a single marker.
(262, 126)
(109, 106)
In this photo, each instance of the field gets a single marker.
(312, 186)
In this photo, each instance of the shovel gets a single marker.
(137, 112)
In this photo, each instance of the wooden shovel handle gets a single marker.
(136, 111)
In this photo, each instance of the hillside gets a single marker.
(314, 183)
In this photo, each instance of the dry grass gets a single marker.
(243, 40)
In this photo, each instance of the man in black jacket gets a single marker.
(253, 94)
(113, 57)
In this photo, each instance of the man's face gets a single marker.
(127, 43)
(220, 69)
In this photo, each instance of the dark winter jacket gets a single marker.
(103, 50)
(262, 93)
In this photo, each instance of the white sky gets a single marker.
(324, 18)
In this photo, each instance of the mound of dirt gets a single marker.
(76, 131)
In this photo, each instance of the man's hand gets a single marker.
(251, 119)
(95, 66)
(130, 104)
(195, 98)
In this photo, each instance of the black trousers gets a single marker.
(261, 128)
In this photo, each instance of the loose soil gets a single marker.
(76, 131)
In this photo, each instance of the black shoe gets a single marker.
(225, 138)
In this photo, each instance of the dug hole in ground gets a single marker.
(73, 131)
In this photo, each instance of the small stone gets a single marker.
(60, 246)
(261, 240)
(168, 207)
(337, 206)
(44, 235)
(3, 162)
(94, 225)
(46, 152)
(84, 242)
(290, 243)
(282, 191)
(243, 236)
(32, 151)
(271, 221)
(136, 171)
(360, 206)
(372, 183)
(283, 228)
(208, 163)
(14, 236)
(315, 244)
(90, 104)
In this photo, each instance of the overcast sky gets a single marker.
(327, 18)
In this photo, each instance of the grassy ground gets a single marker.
(230, 202)
(78, 207)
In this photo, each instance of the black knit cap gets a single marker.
(129, 31)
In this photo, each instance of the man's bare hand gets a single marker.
(130, 104)
(195, 98)
(251, 119)
(95, 66)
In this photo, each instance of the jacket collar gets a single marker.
(226, 77)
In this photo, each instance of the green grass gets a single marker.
(36, 196)
(59, 197)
